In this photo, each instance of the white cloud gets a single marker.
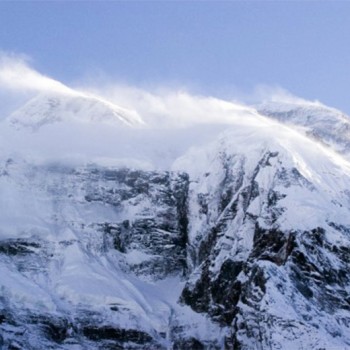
(19, 82)
(275, 93)
(172, 108)
(186, 119)
(159, 107)
(18, 76)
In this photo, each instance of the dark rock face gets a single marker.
(217, 297)
(48, 332)
(53, 329)
(191, 343)
(159, 230)
(315, 275)
(119, 335)
(18, 247)
(272, 245)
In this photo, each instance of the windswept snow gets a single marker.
(70, 106)
(321, 123)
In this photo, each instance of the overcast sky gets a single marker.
(223, 49)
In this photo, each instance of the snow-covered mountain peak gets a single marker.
(328, 126)
(70, 105)
(303, 110)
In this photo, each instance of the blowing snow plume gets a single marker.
(173, 108)
(19, 82)
(52, 101)
(123, 122)
(18, 76)
(161, 109)
(89, 119)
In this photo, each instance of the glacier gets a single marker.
(120, 232)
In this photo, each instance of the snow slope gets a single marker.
(321, 123)
(70, 105)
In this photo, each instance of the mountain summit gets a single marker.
(48, 108)
(321, 123)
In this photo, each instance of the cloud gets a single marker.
(165, 108)
(274, 93)
(159, 107)
(19, 82)
(16, 75)
(186, 119)
(162, 106)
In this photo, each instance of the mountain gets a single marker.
(53, 107)
(270, 229)
(321, 123)
(240, 240)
